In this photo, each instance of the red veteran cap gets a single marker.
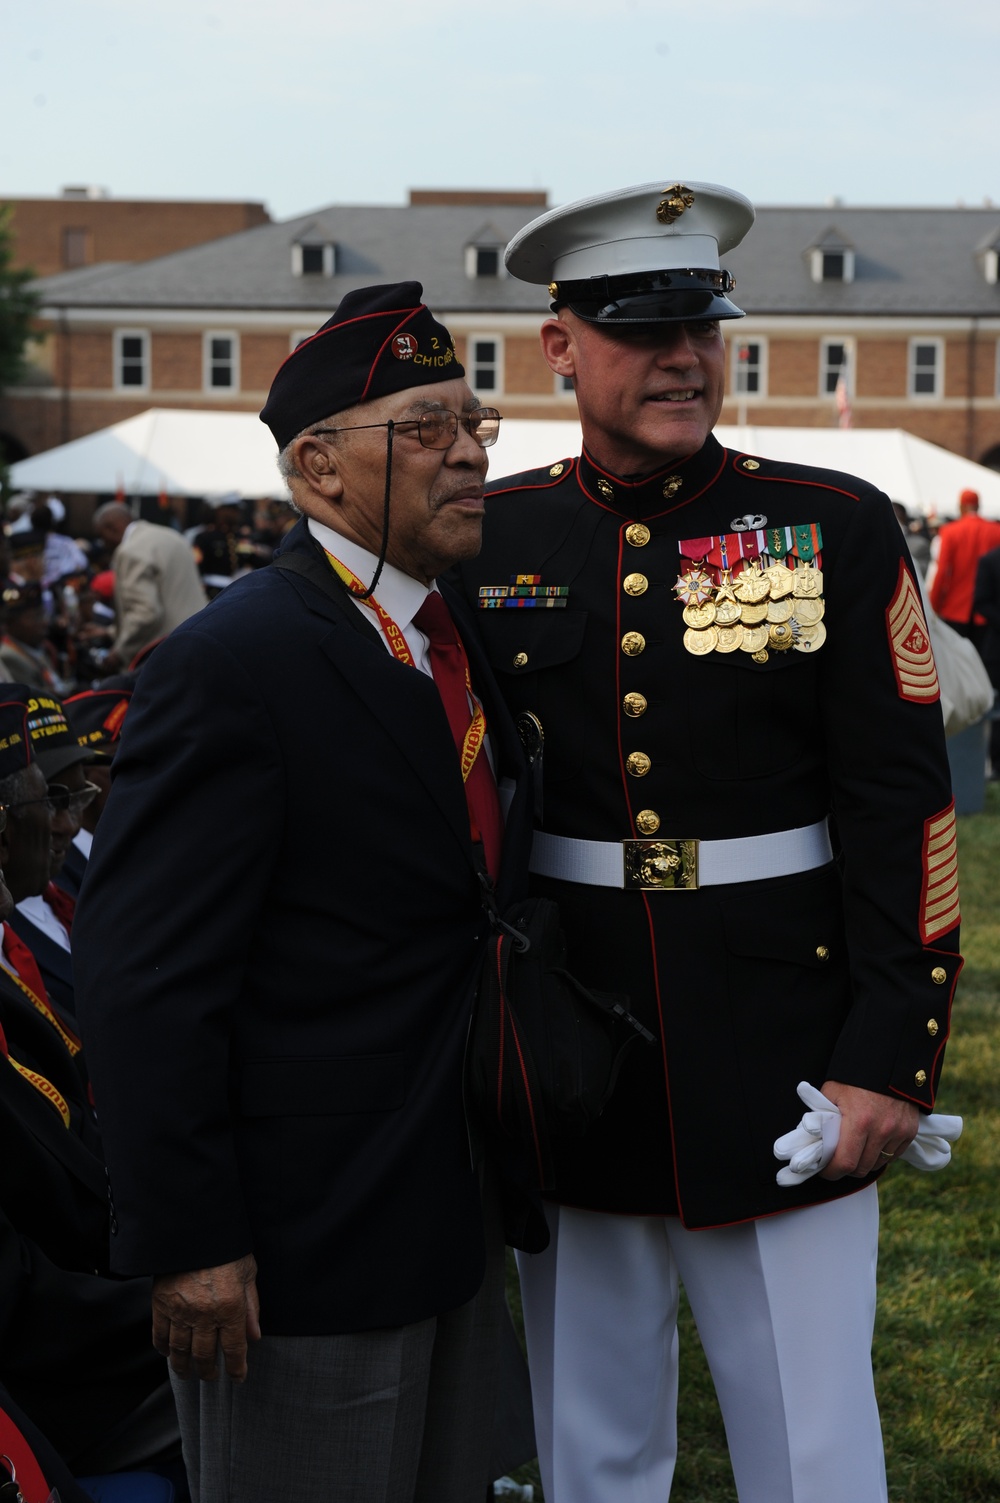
(380, 340)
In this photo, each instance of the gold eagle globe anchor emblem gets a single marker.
(673, 203)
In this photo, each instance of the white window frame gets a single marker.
(208, 360)
(740, 393)
(816, 267)
(485, 392)
(848, 346)
(120, 336)
(472, 263)
(913, 370)
(329, 258)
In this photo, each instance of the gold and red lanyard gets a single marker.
(474, 736)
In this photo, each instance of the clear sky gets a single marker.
(302, 103)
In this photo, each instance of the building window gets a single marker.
(564, 384)
(314, 258)
(299, 336)
(222, 361)
(926, 366)
(748, 367)
(487, 363)
(76, 247)
(483, 261)
(834, 362)
(832, 265)
(131, 360)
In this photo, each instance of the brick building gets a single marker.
(899, 308)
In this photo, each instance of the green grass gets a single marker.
(937, 1341)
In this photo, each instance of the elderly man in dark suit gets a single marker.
(277, 1021)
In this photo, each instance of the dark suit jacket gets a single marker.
(987, 604)
(54, 963)
(70, 876)
(276, 1019)
(74, 1342)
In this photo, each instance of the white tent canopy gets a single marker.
(181, 452)
(189, 453)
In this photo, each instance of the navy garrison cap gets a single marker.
(647, 254)
(380, 340)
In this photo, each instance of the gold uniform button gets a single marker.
(633, 642)
(921, 1077)
(635, 705)
(637, 534)
(556, 470)
(751, 464)
(647, 821)
(635, 584)
(932, 1027)
(638, 764)
(520, 659)
(939, 975)
(822, 953)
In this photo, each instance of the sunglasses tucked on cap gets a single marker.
(380, 340)
(647, 254)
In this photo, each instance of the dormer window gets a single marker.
(991, 265)
(484, 253)
(314, 258)
(832, 265)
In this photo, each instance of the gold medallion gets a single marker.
(699, 616)
(811, 638)
(700, 642)
(807, 583)
(751, 585)
(633, 642)
(637, 534)
(780, 580)
(694, 587)
(635, 584)
(634, 704)
(753, 615)
(730, 639)
(754, 640)
(675, 200)
(781, 636)
(779, 610)
(727, 612)
(809, 612)
(761, 657)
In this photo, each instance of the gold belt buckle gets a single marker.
(659, 865)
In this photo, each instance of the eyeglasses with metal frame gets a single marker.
(438, 429)
(59, 800)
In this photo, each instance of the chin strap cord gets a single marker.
(365, 594)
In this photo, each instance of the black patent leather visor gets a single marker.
(649, 297)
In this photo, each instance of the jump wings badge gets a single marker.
(754, 590)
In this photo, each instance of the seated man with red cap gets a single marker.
(277, 1033)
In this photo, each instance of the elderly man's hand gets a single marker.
(873, 1129)
(194, 1312)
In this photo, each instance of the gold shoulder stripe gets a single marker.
(910, 644)
(939, 908)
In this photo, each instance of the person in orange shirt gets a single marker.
(962, 544)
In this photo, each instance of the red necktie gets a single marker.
(62, 905)
(450, 668)
(24, 962)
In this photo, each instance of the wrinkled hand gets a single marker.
(194, 1312)
(873, 1129)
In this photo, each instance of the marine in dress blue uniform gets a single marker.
(721, 666)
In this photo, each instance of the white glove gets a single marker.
(810, 1146)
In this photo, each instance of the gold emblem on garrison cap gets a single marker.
(675, 200)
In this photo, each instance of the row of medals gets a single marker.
(772, 609)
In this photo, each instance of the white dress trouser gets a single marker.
(785, 1309)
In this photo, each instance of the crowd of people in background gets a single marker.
(78, 609)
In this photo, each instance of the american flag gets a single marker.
(843, 398)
